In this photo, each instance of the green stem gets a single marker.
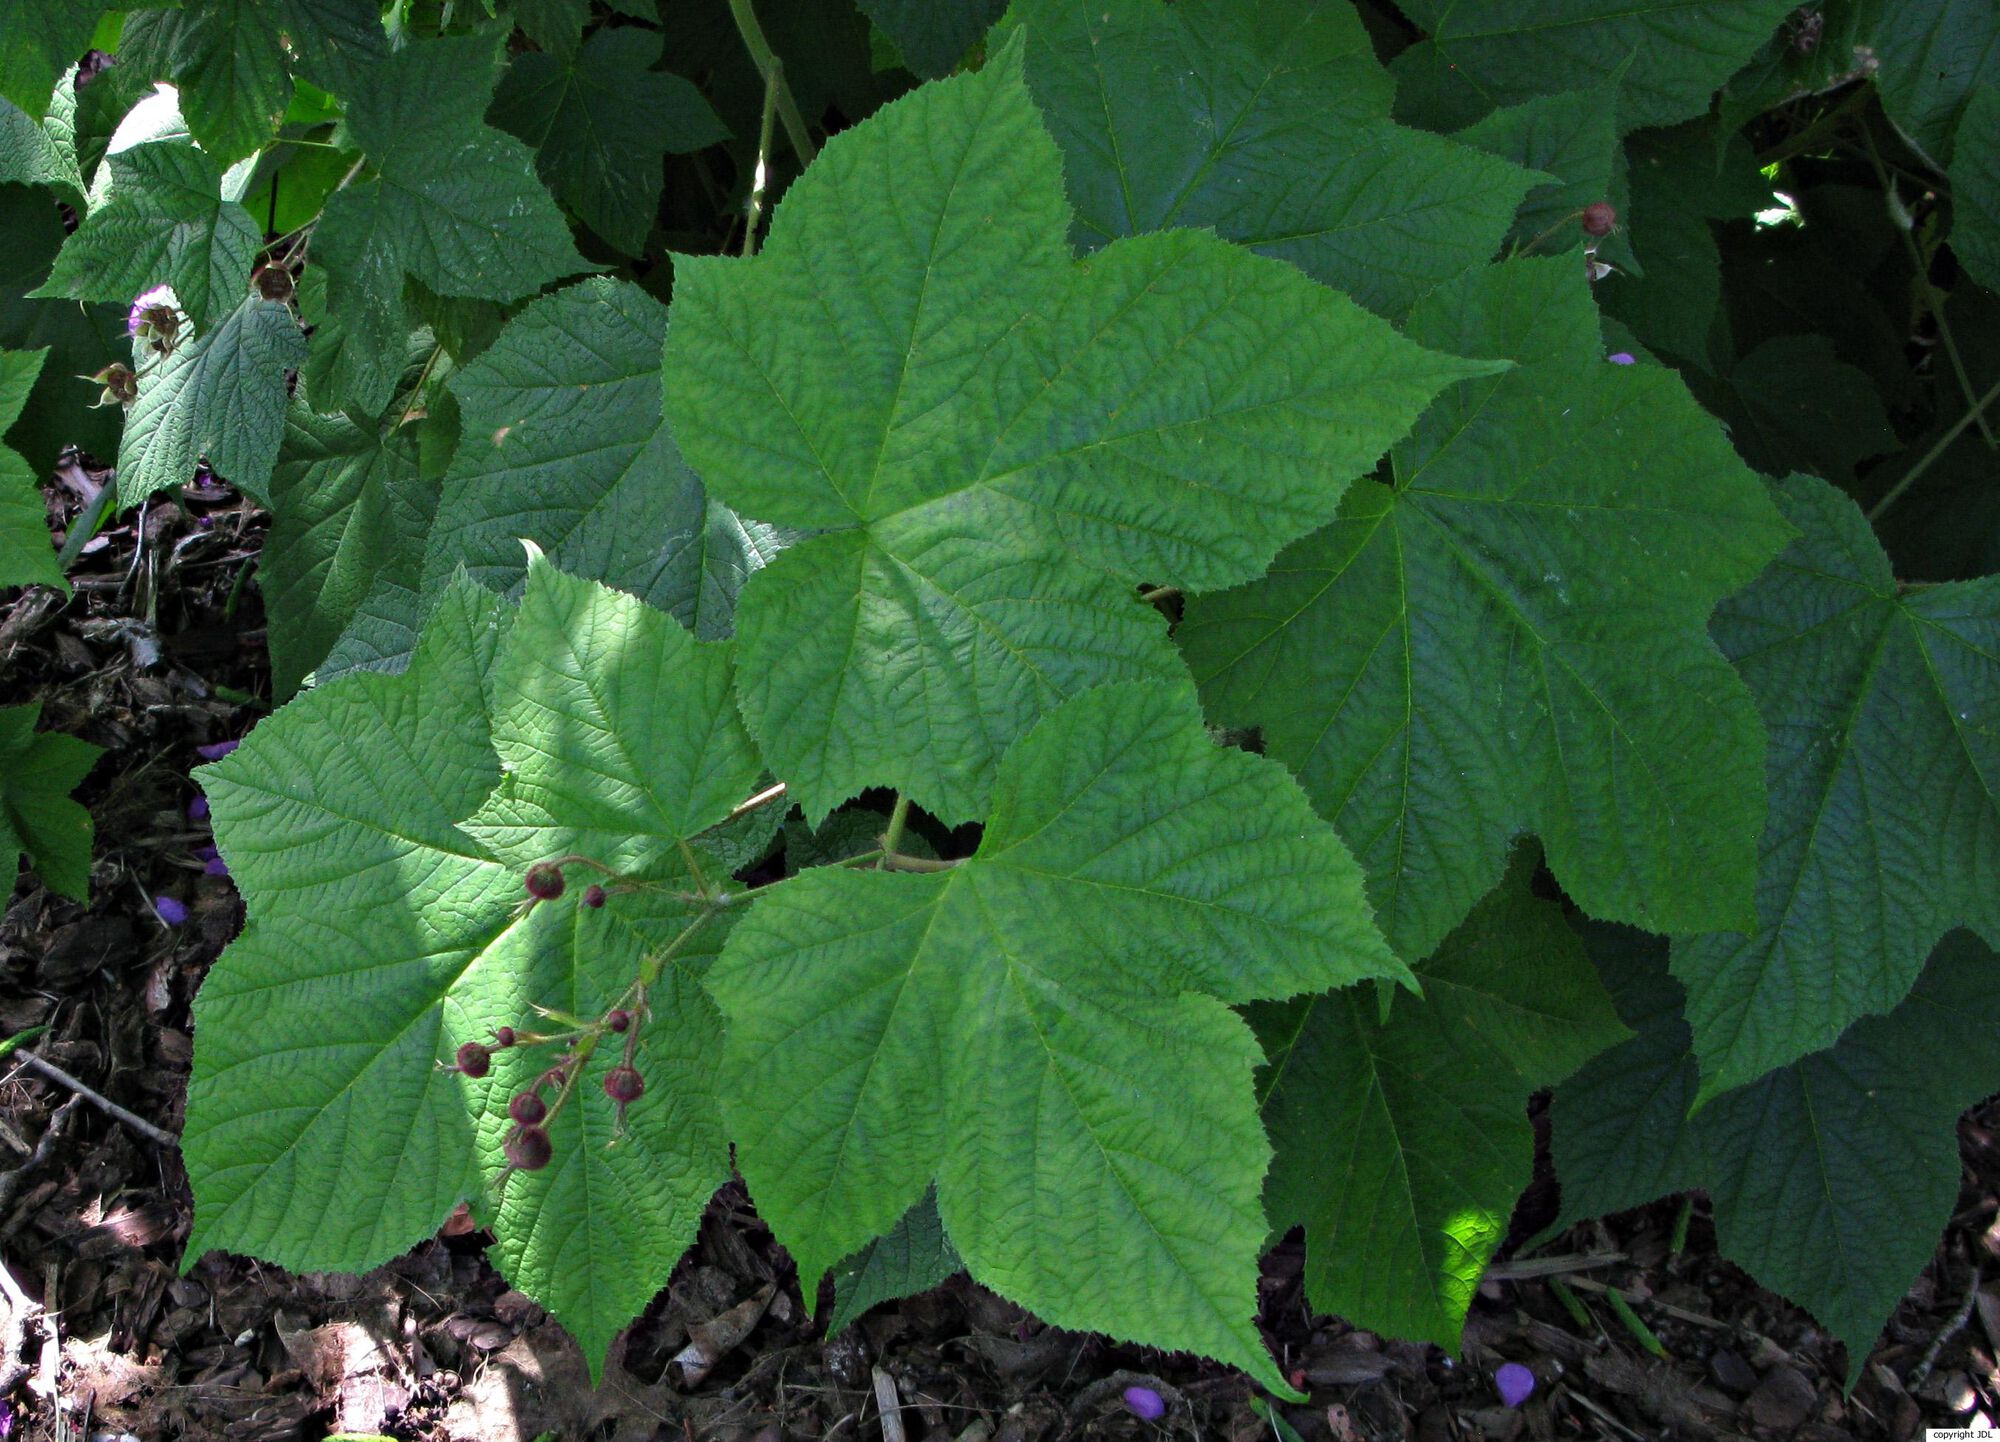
(766, 60)
(897, 861)
(1932, 302)
(652, 966)
(1930, 456)
(774, 80)
(701, 881)
(899, 816)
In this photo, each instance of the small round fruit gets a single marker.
(503, 1037)
(618, 1020)
(474, 1060)
(527, 1109)
(529, 1149)
(624, 1084)
(545, 882)
(1599, 219)
(593, 895)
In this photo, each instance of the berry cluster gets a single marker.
(528, 1146)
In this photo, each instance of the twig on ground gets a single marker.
(10, 1182)
(890, 1404)
(1551, 1266)
(131, 1119)
(1955, 1324)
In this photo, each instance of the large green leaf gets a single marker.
(1045, 1023)
(228, 58)
(453, 202)
(38, 770)
(1883, 709)
(564, 445)
(386, 928)
(42, 152)
(164, 223)
(43, 40)
(1975, 190)
(933, 38)
(1831, 1177)
(1263, 123)
(1511, 635)
(219, 397)
(345, 498)
(600, 121)
(996, 440)
(1403, 1145)
(27, 555)
(1679, 51)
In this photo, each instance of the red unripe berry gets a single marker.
(545, 882)
(1599, 219)
(474, 1060)
(624, 1084)
(593, 895)
(527, 1109)
(619, 1020)
(529, 1149)
(503, 1037)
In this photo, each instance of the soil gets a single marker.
(102, 1336)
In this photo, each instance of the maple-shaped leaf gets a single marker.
(453, 201)
(43, 40)
(27, 552)
(229, 60)
(345, 499)
(600, 122)
(1511, 635)
(563, 444)
(1045, 1022)
(1883, 708)
(1264, 122)
(217, 398)
(1831, 1177)
(997, 441)
(1674, 53)
(164, 223)
(38, 770)
(1402, 1145)
(384, 888)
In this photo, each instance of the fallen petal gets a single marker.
(1514, 1382)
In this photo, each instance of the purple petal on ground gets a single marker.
(1622, 358)
(1145, 1402)
(216, 866)
(216, 752)
(171, 911)
(1514, 1382)
(198, 809)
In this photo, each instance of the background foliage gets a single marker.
(964, 422)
